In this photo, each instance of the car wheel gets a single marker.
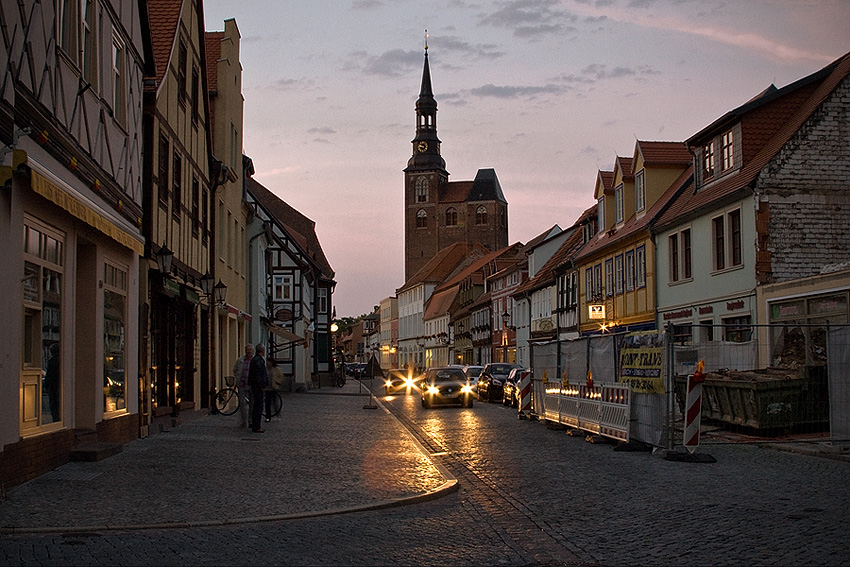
(424, 403)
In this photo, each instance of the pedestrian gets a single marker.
(240, 373)
(276, 383)
(258, 380)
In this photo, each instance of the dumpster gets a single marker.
(763, 399)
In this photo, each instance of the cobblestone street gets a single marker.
(526, 494)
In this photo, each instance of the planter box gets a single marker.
(763, 399)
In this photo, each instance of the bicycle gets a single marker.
(273, 403)
(228, 400)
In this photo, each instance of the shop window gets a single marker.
(41, 379)
(737, 329)
(114, 338)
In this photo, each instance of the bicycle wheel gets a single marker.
(227, 401)
(273, 404)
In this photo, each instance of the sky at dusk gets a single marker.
(546, 92)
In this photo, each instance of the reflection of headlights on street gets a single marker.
(466, 389)
(432, 390)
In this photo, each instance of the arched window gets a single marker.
(422, 189)
(421, 219)
(481, 215)
(451, 216)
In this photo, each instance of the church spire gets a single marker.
(426, 145)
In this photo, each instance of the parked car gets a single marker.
(400, 380)
(510, 389)
(446, 385)
(492, 378)
(472, 373)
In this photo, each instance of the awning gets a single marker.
(52, 192)
(287, 336)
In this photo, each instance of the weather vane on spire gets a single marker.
(426, 39)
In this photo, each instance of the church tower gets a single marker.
(424, 176)
(439, 213)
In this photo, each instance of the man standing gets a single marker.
(240, 373)
(258, 379)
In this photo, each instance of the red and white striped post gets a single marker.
(693, 408)
(524, 406)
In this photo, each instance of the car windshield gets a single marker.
(502, 369)
(473, 371)
(447, 375)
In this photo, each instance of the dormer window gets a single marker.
(727, 151)
(708, 161)
(640, 191)
(600, 214)
(619, 207)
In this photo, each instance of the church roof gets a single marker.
(486, 187)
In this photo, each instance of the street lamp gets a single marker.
(164, 257)
(220, 291)
(207, 282)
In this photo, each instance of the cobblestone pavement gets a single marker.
(322, 453)
(527, 495)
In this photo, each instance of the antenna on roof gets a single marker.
(426, 39)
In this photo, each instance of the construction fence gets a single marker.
(760, 381)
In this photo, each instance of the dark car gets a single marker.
(400, 380)
(446, 385)
(510, 388)
(492, 379)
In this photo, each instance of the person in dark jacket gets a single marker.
(258, 380)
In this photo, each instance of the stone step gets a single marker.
(95, 451)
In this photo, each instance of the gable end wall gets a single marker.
(806, 185)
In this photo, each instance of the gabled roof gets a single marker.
(443, 264)
(440, 302)
(605, 180)
(624, 166)
(164, 17)
(636, 224)
(475, 266)
(780, 109)
(545, 276)
(551, 232)
(300, 228)
(212, 42)
(662, 154)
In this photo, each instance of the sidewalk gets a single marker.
(323, 454)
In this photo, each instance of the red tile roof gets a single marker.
(781, 112)
(660, 154)
(164, 16)
(636, 224)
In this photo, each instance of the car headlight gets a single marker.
(389, 384)
(467, 389)
(433, 390)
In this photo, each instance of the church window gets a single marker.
(421, 189)
(421, 219)
(481, 215)
(451, 216)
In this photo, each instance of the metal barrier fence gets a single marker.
(779, 382)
